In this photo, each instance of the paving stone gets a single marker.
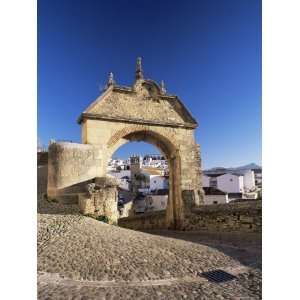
(82, 258)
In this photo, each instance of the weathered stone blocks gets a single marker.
(86, 204)
(120, 115)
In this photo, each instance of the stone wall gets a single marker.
(71, 165)
(241, 216)
(101, 199)
(147, 221)
(42, 158)
(237, 217)
(42, 177)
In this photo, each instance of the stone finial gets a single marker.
(110, 79)
(163, 87)
(139, 70)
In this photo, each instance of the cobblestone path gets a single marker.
(81, 258)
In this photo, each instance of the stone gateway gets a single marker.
(142, 112)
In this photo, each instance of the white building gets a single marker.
(230, 183)
(214, 196)
(205, 180)
(242, 181)
(156, 202)
(118, 164)
(249, 180)
(123, 178)
(258, 179)
(155, 161)
(158, 182)
(120, 174)
(152, 202)
(155, 179)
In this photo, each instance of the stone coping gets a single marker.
(160, 213)
(229, 207)
(132, 120)
(63, 144)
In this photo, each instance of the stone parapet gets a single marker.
(147, 221)
(70, 166)
(244, 216)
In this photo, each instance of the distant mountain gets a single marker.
(218, 169)
(251, 166)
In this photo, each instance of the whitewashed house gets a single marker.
(153, 202)
(123, 178)
(159, 182)
(155, 179)
(230, 183)
(205, 180)
(249, 180)
(214, 196)
(156, 202)
(154, 161)
(258, 179)
(120, 174)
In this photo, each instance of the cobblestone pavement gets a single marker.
(81, 258)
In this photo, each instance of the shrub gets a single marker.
(103, 218)
(90, 216)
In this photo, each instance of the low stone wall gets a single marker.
(238, 217)
(147, 221)
(42, 158)
(42, 178)
(243, 216)
(71, 165)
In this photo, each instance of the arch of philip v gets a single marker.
(142, 112)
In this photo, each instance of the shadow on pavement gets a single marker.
(244, 247)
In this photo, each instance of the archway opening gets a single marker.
(142, 173)
(168, 165)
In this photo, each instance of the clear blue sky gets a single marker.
(208, 53)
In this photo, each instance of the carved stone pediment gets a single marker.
(144, 101)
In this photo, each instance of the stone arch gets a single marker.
(146, 112)
(174, 212)
(142, 133)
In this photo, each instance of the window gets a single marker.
(215, 202)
